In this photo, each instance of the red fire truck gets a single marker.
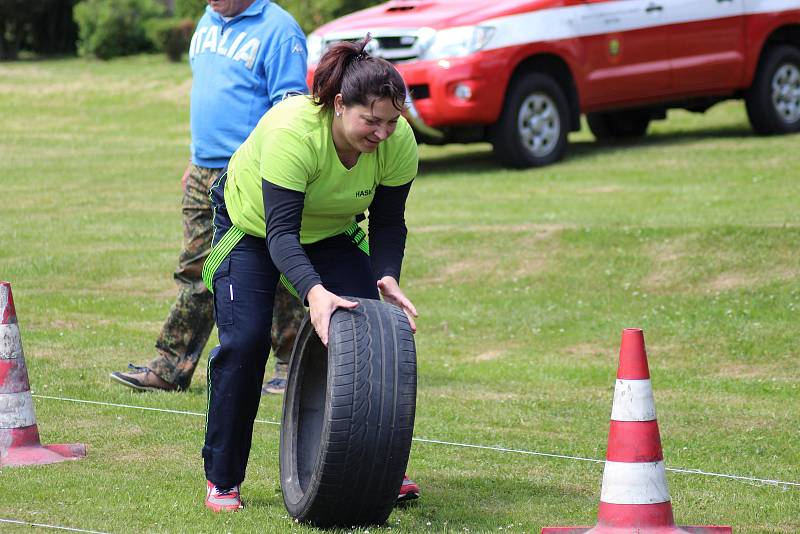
(519, 73)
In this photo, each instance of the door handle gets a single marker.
(652, 8)
(723, 1)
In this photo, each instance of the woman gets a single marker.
(296, 188)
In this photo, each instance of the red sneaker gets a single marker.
(223, 500)
(409, 490)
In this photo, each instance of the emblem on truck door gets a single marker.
(613, 47)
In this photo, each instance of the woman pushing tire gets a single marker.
(348, 417)
(288, 209)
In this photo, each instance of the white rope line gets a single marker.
(504, 449)
(765, 481)
(769, 482)
(134, 407)
(55, 527)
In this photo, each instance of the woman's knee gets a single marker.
(242, 346)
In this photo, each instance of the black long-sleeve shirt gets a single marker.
(283, 214)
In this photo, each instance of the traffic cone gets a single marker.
(634, 497)
(19, 436)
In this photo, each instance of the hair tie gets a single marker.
(361, 53)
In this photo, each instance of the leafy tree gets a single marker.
(17, 21)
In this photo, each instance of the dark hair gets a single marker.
(361, 78)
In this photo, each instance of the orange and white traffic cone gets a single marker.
(19, 435)
(634, 496)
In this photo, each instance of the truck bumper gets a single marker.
(453, 92)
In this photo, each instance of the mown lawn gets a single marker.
(523, 279)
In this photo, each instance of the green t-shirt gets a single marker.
(292, 147)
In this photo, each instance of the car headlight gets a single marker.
(315, 48)
(454, 42)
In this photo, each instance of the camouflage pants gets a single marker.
(191, 318)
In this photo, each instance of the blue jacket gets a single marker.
(241, 68)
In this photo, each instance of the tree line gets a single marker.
(111, 28)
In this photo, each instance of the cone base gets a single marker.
(629, 530)
(42, 454)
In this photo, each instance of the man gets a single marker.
(246, 56)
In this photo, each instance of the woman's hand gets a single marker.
(391, 293)
(322, 303)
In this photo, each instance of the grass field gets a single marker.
(523, 279)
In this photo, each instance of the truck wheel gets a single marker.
(532, 129)
(348, 417)
(618, 125)
(773, 101)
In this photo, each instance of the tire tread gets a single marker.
(369, 418)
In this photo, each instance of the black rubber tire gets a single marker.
(348, 417)
(765, 119)
(607, 126)
(509, 147)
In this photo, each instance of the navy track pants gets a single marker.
(244, 291)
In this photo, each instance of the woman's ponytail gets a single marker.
(348, 69)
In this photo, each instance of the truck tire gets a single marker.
(773, 101)
(348, 417)
(532, 129)
(608, 126)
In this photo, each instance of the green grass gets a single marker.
(523, 280)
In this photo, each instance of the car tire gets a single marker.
(618, 125)
(773, 101)
(532, 128)
(348, 417)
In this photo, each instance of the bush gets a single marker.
(111, 28)
(170, 35)
(311, 14)
(190, 9)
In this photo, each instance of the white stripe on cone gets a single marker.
(10, 342)
(633, 401)
(16, 410)
(634, 483)
(3, 300)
